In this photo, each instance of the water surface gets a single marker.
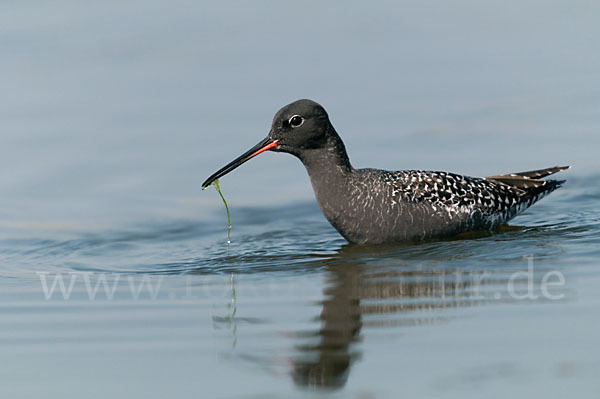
(115, 112)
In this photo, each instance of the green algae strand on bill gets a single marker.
(216, 184)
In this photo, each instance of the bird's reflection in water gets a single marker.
(325, 358)
(375, 288)
(360, 294)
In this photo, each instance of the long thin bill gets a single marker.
(263, 146)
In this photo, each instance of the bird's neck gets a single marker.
(328, 164)
(330, 174)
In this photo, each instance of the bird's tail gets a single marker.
(531, 179)
(531, 184)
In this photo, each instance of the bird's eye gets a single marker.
(296, 121)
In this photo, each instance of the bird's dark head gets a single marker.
(298, 127)
(301, 125)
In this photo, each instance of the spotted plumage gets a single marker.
(497, 198)
(370, 206)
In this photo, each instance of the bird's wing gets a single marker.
(453, 190)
